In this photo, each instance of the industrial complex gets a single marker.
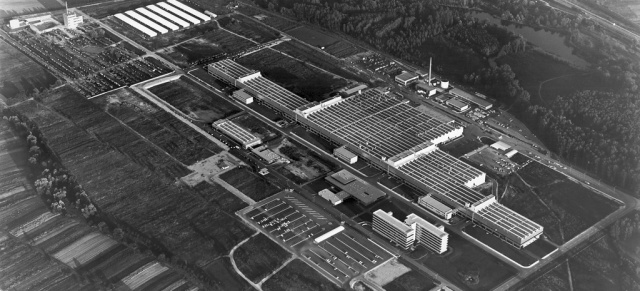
(396, 137)
(164, 17)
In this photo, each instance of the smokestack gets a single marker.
(429, 71)
(66, 6)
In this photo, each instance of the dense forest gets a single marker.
(597, 130)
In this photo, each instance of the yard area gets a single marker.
(294, 75)
(257, 127)
(411, 281)
(249, 183)
(297, 275)
(260, 256)
(213, 45)
(193, 100)
(305, 164)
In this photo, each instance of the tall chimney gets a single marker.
(429, 71)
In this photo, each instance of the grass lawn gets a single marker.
(193, 100)
(249, 183)
(410, 281)
(296, 276)
(495, 243)
(555, 279)
(468, 266)
(259, 256)
(540, 248)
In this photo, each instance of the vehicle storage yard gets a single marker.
(338, 252)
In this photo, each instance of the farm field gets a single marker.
(252, 185)
(269, 19)
(225, 275)
(183, 220)
(298, 276)
(21, 7)
(256, 127)
(305, 165)
(93, 58)
(20, 74)
(159, 127)
(260, 256)
(296, 76)
(50, 245)
(193, 100)
(312, 36)
(213, 45)
(303, 52)
(342, 49)
(468, 266)
(249, 28)
(548, 198)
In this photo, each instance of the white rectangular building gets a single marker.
(436, 206)
(71, 20)
(395, 230)
(345, 155)
(241, 135)
(188, 9)
(242, 96)
(147, 22)
(168, 15)
(157, 18)
(431, 236)
(136, 25)
(178, 12)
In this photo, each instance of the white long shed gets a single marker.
(136, 25)
(168, 15)
(178, 12)
(147, 21)
(155, 17)
(188, 9)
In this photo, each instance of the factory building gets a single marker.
(406, 78)
(431, 236)
(147, 22)
(435, 206)
(483, 104)
(362, 191)
(157, 18)
(238, 133)
(395, 230)
(352, 89)
(424, 88)
(242, 96)
(136, 25)
(168, 15)
(190, 10)
(457, 105)
(345, 155)
(334, 198)
(178, 12)
(396, 137)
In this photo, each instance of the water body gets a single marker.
(549, 41)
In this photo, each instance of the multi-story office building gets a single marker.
(395, 230)
(431, 236)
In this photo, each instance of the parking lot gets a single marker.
(296, 224)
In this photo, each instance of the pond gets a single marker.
(549, 41)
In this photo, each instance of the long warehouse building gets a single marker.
(178, 12)
(147, 22)
(188, 9)
(396, 137)
(169, 16)
(136, 25)
(157, 18)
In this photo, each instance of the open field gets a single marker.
(20, 74)
(305, 164)
(298, 276)
(495, 243)
(303, 52)
(249, 183)
(249, 28)
(555, 279)
(312, 36)
(43, 246)
(411, 281)
(461, 146)
(468, 266)
(275, 21)
(257, 127)
(177, 139)
(259, 256)
(296, 76)
(193, 100)
(226, 277)
(211, 46)
(183, 220)
(549, 198)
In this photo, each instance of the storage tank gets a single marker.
(444, 84)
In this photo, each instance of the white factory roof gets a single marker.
(435, 203)
(189, 9)
(345, 152)
(147, 21)
(388, 217)
(165, 14)
(178, 12)
(136, 25)
(157, 18)
(500, 145)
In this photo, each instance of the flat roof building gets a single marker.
(190, 10)
(345, 155)
(354, 186)
(352, 89)
(435, 206)
(500, 145)
(178, 12)
(147, 22)
(238, 133)
(242, 96)
(431, 236)
(426, 88)
(334, 198)
(136, 25)
(406, 77)
(457, 105)
(483, 104)
(395, 230)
